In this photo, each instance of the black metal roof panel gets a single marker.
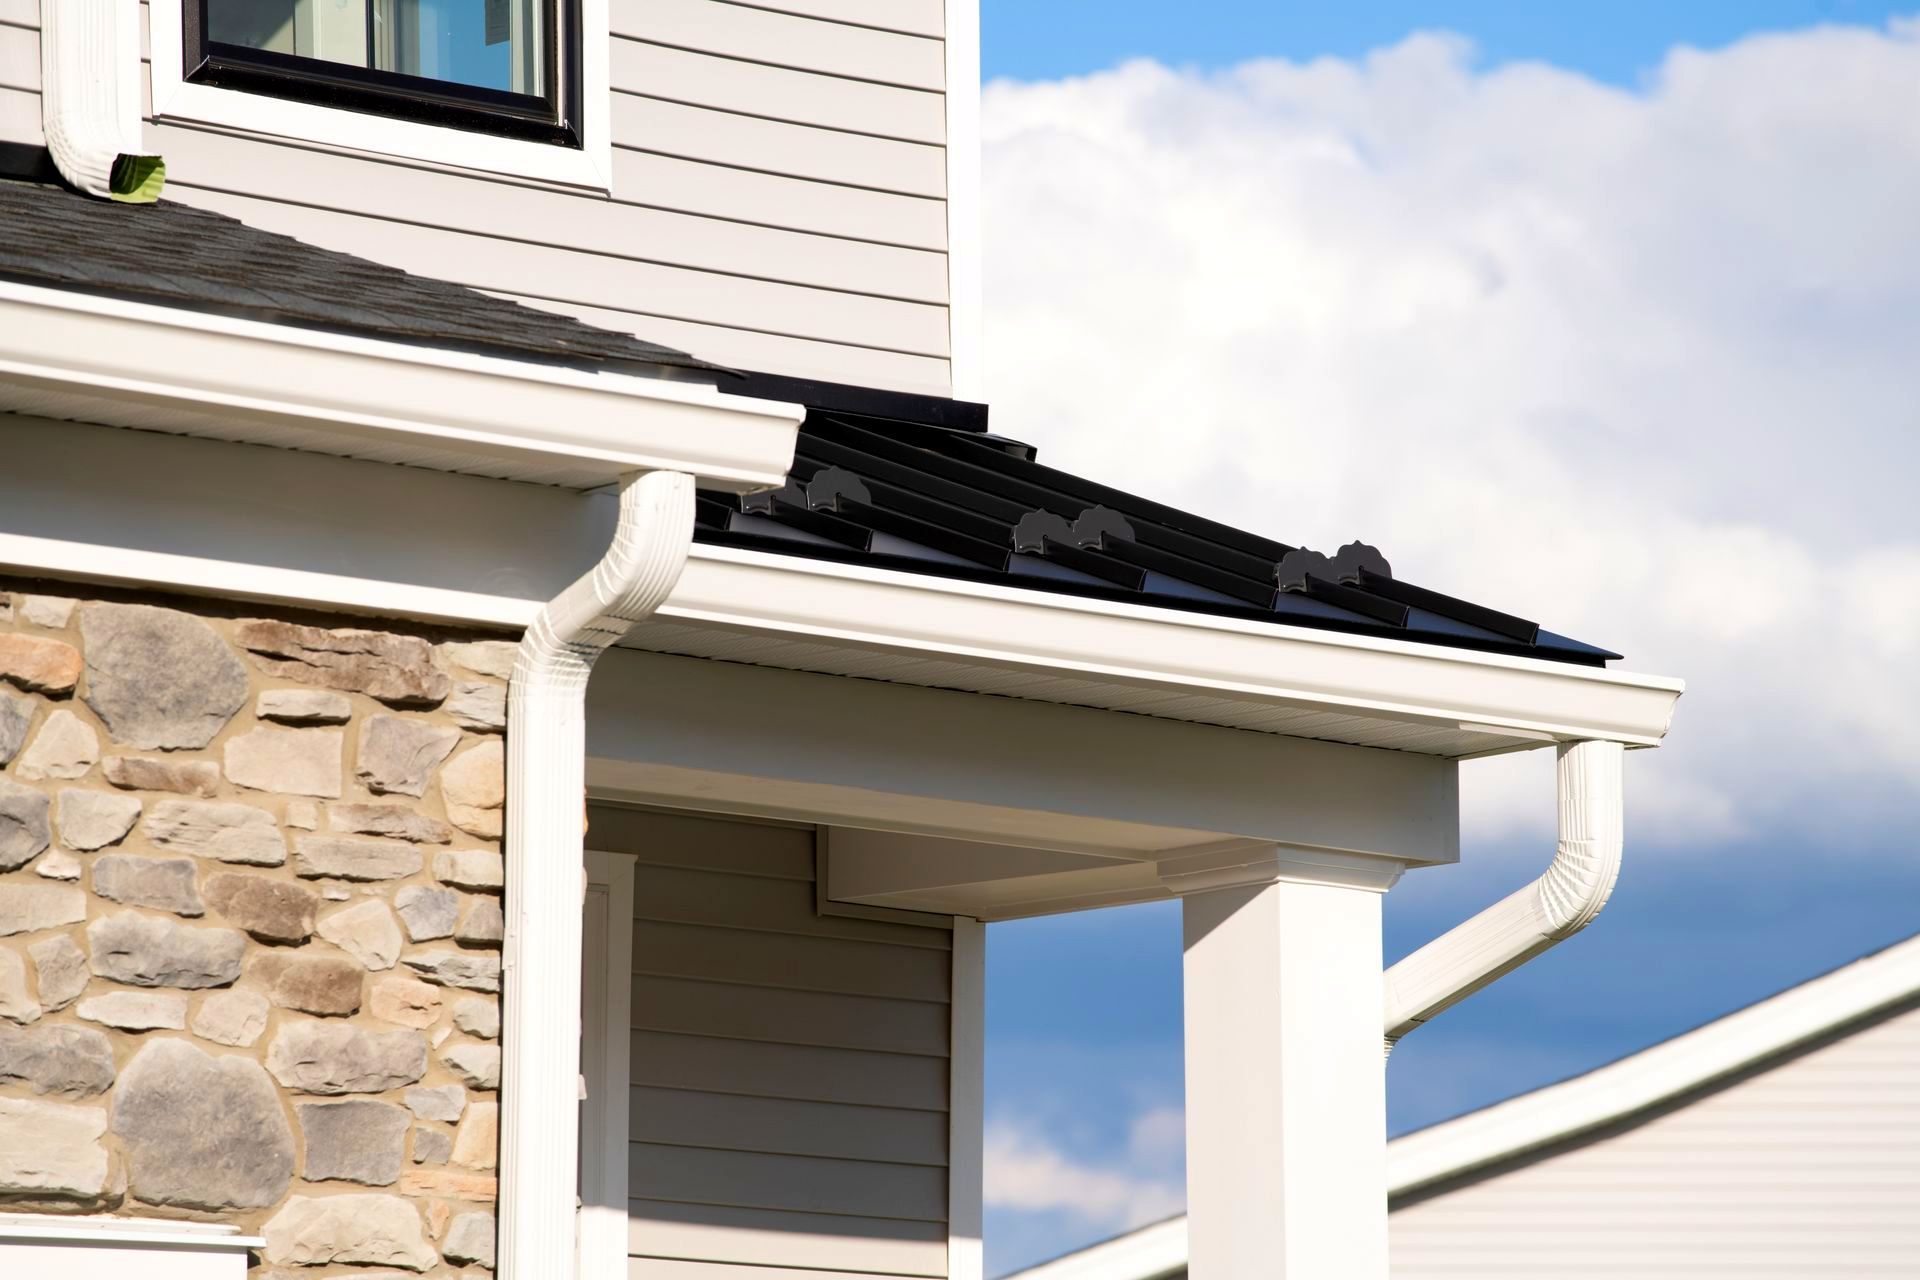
(922, 487)
(175, 255)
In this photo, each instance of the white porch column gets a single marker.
(1286, 1079)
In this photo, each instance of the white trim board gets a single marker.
(606, 989)
(1536, 1120)
(590, 166)
(966, 322)
(966, 1103)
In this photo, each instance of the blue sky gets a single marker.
(1612, 40)
(1655, 309)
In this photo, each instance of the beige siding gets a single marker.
(1810, 1168)
(778, 189)
(789, 1069)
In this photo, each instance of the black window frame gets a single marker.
(553, 119)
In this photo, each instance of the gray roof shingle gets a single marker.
(175, 255)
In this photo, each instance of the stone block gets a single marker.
(136, 1010)
(427, 913)
(370, 1228)
(454, 969)
(474, 787)
(159, 678)
(16, 714)
(318, 984)
(446, 1102)
(398, 670)
(431, 1146)
(151, 773)
(395, 820)
(476, 1144)
(476, 1064)
(74, 1062)
(481, 869)
(484, 925)
(478, 1017)
(143, 951)
(90, 820)
(60, 970)
(231, 1017)
(405, 1001)
(359, 1141)
(303, 706)
(52, 1151)
(479, 705)
(229, 832)
(482, 657)
(165, 884)
(366, 931)
(51, 612)
(450, 1183)
(398, 755)
(341, 858)
(24, 830)
(39, 665)
(470, 1239)
(65, 748)
(16, 1000)
(299, 762)
(202, 1132)
(58, 864)
(271, 910)
(27, 908)
(336, 1058)
(303, 814)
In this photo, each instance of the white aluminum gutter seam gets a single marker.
(546, 868)
(1532, 920)
(395, 402)
(90, 90)
(1606, 1095)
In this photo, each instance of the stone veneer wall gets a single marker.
(249, 928)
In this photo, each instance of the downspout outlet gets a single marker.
(90, 98)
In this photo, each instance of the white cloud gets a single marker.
(1641, 365)
(1028, 1173)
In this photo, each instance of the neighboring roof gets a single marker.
(1534, 1123)
(176, 255)
(921, 486)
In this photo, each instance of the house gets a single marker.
(374, 377)
(1782, 1139)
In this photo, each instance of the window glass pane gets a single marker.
(492, 44)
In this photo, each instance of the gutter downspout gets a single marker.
(1533, 920)
(90, 98)
(545, 865)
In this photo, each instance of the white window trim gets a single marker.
(966, 1089)
(591, 165)
(606, 994)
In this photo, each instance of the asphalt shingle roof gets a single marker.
(175, 255)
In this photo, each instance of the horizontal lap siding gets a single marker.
(1810, 1168)
(789, 1069)
(777, 204)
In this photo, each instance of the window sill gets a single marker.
(591, 167)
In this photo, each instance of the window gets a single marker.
(503, 67)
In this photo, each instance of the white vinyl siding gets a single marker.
(1808, 1168)
(778, 202)
(790, 1074)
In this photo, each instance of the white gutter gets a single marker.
(1562, 902)
(141, 365)
(90, 98)
(546, 869)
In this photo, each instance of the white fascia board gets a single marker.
(258, 382)
(1148, 1253)
(1037, 631)
(133, 1231)
(1653, 1076)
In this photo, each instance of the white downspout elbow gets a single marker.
(1561, 903)
(90, 98)
(545, 865)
